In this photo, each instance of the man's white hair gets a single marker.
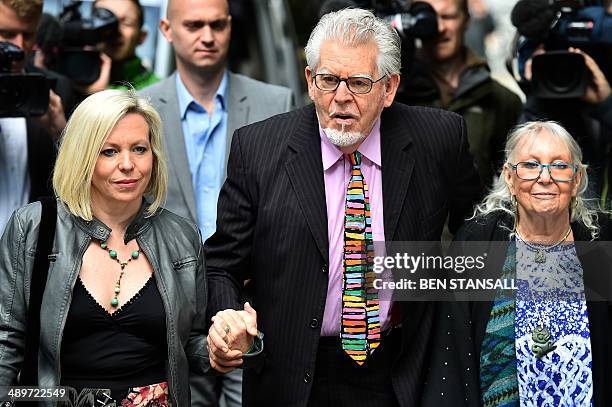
(354, 26)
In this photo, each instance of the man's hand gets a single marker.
(231, 335)
(54, 120)
(599, 89)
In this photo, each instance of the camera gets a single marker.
(416, 20)
(559, 24)
(410, 19)
(21, 94)
(78, 57)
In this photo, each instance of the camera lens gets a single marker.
(562, 78)
(559, 75)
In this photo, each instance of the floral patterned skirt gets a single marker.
(154, 395)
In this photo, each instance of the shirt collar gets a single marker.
(185, 99)
(370, 148)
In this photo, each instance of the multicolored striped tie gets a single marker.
(360, 331)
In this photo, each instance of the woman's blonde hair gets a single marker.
(82, 141)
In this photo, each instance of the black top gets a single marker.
(118, 351)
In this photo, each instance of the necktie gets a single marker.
(360, 330)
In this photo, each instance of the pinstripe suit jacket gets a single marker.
(272, 229)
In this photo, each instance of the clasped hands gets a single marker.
(230, 336)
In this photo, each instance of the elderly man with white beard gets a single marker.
(307, 193)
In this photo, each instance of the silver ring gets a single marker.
(226, 329)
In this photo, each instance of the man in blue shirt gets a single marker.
(201, 105)
(205, 141)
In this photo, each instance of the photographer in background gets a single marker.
(449, 75)
(27, 151)
(560, 87)
(19, 21)
(119, 61)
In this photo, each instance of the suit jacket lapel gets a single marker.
(237, 110)
(305, 170)
(397, 166)
(175, 142)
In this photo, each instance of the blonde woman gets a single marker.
(122, 304)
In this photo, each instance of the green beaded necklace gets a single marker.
(113, 255)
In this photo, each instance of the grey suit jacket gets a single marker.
(249, 101)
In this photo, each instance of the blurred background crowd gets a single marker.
(473, 57)
(272, 35)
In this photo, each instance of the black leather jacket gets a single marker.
(173, 247)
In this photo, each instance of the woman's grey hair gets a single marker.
(499, 197)
(354, 26)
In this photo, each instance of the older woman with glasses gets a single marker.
(546, 344)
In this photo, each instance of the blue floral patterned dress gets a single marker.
(552, 294)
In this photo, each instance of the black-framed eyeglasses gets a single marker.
(356, 84)
(531, 170)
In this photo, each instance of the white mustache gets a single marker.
(334, 112)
